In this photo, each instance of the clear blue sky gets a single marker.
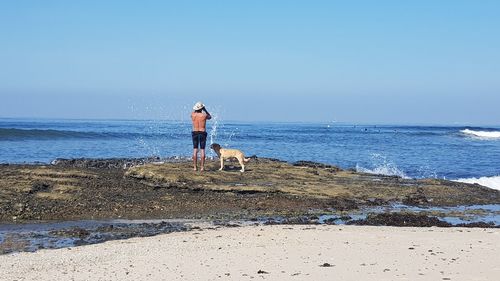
(349, 61)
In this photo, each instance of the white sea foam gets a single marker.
(491, 182)
(482, 134)
(382, 166)
(388, 170)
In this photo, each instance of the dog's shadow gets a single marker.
(232, 169)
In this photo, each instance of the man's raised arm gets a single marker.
(208, 114)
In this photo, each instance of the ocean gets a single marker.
(462, 153)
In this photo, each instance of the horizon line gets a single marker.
(454, 124)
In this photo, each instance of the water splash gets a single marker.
(213, 129)
(159, 130)
(382, 166)
(230, 136)
(151, 148)
(216, 133)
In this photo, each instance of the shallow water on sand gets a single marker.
(54, 235)
(30, 237)
(453, 215)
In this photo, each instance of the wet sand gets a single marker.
(278, 252)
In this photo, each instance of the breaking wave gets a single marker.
(491, 182)
(38, 134)
(13, 134)
(482, 134)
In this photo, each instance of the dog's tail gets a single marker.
(246, 159)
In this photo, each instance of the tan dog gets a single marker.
(225, 153)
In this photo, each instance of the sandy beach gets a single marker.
(280, 252)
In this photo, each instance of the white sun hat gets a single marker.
(199, 105)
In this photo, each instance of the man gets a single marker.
(199, 117)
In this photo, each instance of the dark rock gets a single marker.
(262, 272)
(345, 218)
(111, 163)
(72, 232)
(311, 164)
(343, 204)
(265, 159)
(478, 224)
(301, 220)
(375, 202)
(416, 199)
(271, 222)
(401, 219)
(330, 221)
(39, 186)
(326, 265)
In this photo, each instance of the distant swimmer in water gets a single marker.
(199, 116)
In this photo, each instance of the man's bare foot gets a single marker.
(194, 169)
(202, 169)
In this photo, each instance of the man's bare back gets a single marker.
(199, 121)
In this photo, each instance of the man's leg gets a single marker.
(195, 158)
(202, 159)
(203, 142)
